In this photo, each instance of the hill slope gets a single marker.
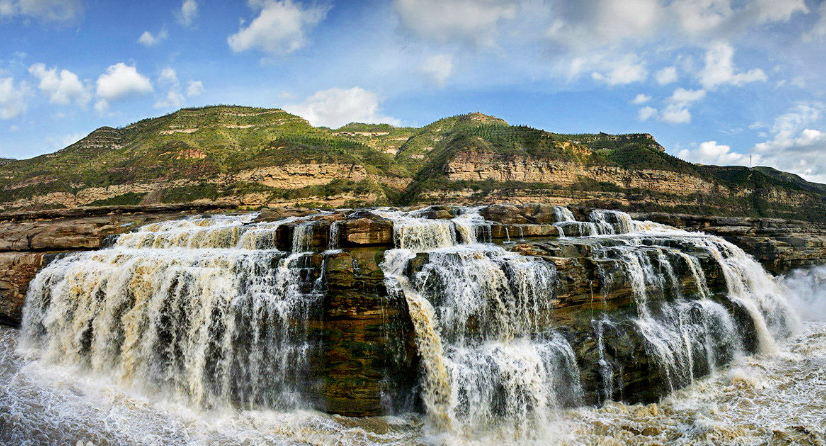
(265, 157)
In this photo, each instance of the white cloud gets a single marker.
(65, 140)
(666, 75)
(120, 81)
(684, 97)
(437, 68)
(599, 23)
(818, 31)
(45, 10)
(335, 107)
(148, 39)
(794, 146)
(775, 10)
(578, 30)
(194, 88)
(674, 114)
(647, 113)
(719, 69)
(625, 70)
(188, 13)
(712, 153)
(279, 29)
(701, 16)
(12, 98)
(641, 99)
(471, 21)
(62, 87)
(173, 98)
(168, 76)
(676, 111)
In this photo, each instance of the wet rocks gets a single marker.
(779, 245)
(16, 271)
(365, 229)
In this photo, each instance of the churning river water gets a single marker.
(777, 397)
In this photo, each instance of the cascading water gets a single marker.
(489, 352)
(209, 313)
(477, 311)
(194, 308)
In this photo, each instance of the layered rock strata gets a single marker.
(367, 363)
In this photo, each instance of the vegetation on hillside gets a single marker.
(195, 154)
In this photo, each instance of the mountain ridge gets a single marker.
(257, 157)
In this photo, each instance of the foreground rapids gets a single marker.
(232, 330)
(760, 400)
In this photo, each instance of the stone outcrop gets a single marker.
(29, 239)
(296, 176)
(16, 271)
(779, 245)
(480, 166)
(366, 361)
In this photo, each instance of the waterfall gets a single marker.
(480, 316)
(563, 214)
(690, 335)
(303, 236)
(484, 316)
(469, 223)
(332, 243)
(210, 312)
(194, 309)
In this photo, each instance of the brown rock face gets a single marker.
(779, 245)
(16, 271)
(364, 359)
(478, 166)
(367, 229)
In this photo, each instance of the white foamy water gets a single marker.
(761, 400)
(191, 333)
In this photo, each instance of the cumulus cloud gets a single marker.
(470, 21)
(194, 88)
(580, 29)
(12, 97)
(666, 75)
(335, 107)
(64, 141)
(437, 69)
(795, 145)
(701, 16)
(625, 70)
(719, 69)
(148, 39)
(279, 29)
(647, 113)
(588, 25)
(641, 99)
(174, 97)
(120, 81)
(63, 87)
(712, 153)
(818, 31)
(767, 11)
(188, 13)
(676, 110)
(44, 10)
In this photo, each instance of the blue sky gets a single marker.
(715, 81)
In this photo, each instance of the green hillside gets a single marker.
(264, 157)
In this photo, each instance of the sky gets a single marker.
(732, 82)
